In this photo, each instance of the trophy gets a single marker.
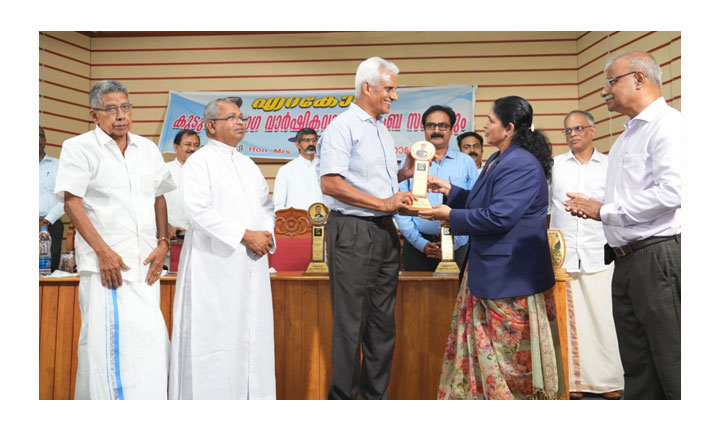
(557, 250)
(318, 214)
(447, 265)
(422, 152)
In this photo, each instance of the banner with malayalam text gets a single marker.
(275, 117)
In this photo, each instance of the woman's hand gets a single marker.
(436, 184)
(439, 212)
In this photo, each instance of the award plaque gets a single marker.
(557, 250)
(447, 265)
(422, 152)
(318, 214)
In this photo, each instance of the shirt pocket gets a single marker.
(634, 168)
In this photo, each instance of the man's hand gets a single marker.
(110, 264)
(156, 259)
(439, 212)
(436, 184)
(259, 242)
(581, 206)
(399, 200)
(433, 250)
(43, 222)
(172, 232)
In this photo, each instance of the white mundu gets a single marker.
(593, 355)
(123, 343)
(222, 340)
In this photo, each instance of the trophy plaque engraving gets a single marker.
(557, 250)
(318, 214)
(447, 265)
(422, 152)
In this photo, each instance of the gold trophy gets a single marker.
(557, 251)
(318, 214)
(447, 265)
(422, 152)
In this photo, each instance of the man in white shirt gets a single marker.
(222, 340)
(50, 209)
(641, 219)
(296, 183)
(186, 142)
(593, 356)
(112, 183)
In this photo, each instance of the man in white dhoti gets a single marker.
(222, 339)
(593, 357)
(112, 183)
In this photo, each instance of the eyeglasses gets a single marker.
(232, 119)
(441, 126)
(113, 109)
(611, 81)
(193, 145)
(577, 129)
(309, 140)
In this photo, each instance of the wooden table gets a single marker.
(303, 334)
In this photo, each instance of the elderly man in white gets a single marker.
(223, 344)
(593, 355)
(112, 183)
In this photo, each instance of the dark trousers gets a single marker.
(646, 310)
(56, 234)
(416, 260)
(364, 260)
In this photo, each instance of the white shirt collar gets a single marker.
(649, 113)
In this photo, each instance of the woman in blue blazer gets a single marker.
(500, 344)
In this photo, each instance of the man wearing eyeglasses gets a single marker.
(593, 356)
(471, 143)
(112, 183)
(640, 214)
(222, 339)
(422, 251)
(186, 143)
(296, 183)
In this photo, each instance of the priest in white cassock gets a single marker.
(222, 339)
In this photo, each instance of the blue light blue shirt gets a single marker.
(50, 208)
(361, 150)
(458, 169)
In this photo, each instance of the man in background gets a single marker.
(50, 209)
(422, 251)
(296, 183)
(471, 143)
(593, 356)
(186, 143)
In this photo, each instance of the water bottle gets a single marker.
(45, 242)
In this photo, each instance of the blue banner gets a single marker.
(275, 117)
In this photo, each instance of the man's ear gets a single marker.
(94, 116)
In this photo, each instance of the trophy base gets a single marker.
(446, 267)
(316, 268)
(420, 204)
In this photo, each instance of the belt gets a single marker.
(431, 237)
(374, 219)
(640, 244)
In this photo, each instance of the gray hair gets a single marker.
(374, 71)
(99, 90)
(642, 62)
(587, 115)
(212, 111)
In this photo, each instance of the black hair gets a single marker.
(446, 109)
(304, 131)
(179, 136)
(516, 110)
(464, 135)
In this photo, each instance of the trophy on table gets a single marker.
(318, 214)
(422, 152)
(447, 264)
(557, 251)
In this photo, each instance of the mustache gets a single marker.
(437, 135)
(473, 154)
(309, 150)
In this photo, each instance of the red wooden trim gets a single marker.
(64, 41)
(64, 116)
(64, 71)
(618, 48)
(64, 56)
(63, 131)
(67, 87)
(64, 101)
(335, 45)
(582, 35)
(597, 42)
(125, 34)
